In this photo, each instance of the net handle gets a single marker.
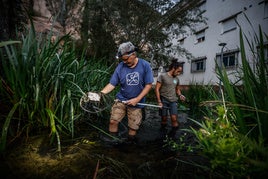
(143, 104)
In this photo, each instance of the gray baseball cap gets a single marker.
(125, 48)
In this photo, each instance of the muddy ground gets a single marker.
(86, 156)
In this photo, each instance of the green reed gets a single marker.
(254, 91)
(42, 83)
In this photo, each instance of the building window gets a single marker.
(229, 60)
(200, 36)
(229, 24)
(198, 65)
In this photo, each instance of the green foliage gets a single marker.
(5, 128)
(221, 142)
(230, 152)
(44, 82)
(250, 102)
(2, 44)
(179, 144)
(196, 94)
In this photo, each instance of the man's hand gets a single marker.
(182, 97)
(160, 104)
(132, 102)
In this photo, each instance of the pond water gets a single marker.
(154, 156)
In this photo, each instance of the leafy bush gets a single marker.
(221, 142)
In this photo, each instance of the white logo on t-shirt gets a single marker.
(133, 78)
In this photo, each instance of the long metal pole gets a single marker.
(150, 105)
(143, 104)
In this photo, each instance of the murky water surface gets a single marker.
(87, 156)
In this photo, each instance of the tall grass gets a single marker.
(235, 135)
(42, 82)
(250, 102)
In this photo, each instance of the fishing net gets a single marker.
(93, 102)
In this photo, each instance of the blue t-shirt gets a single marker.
(132, 80)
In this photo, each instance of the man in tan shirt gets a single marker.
(167, 93)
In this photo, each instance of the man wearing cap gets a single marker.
(135, 77)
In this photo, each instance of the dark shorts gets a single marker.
(168, 107)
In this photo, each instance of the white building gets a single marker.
(223, 20)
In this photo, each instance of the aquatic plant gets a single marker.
(42, 82)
